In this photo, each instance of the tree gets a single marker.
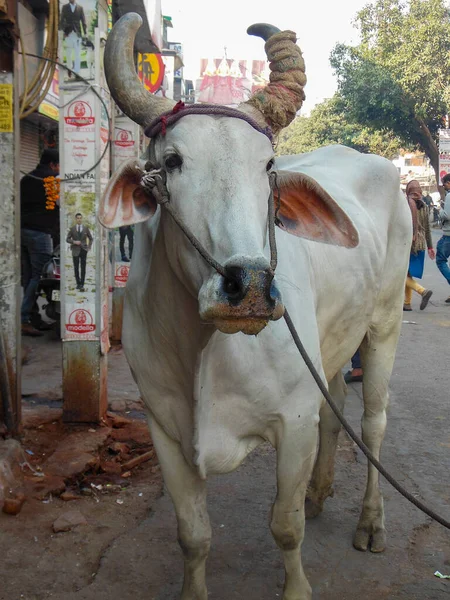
(328, 124)
(398, 77)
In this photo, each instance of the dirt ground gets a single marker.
(126, 549)
(78, 473)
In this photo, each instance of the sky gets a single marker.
(205, 27)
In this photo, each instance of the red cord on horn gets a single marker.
(178, 106)
(164, 124)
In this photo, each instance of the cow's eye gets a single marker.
(270, 164)
(173, 161)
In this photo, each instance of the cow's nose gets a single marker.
(241, 281)
(235, 285)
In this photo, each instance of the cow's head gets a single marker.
(216, 170)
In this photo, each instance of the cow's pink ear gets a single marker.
(124, 201)
(308, 211)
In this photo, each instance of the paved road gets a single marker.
(244, 564)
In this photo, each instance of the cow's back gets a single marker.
(331, 294)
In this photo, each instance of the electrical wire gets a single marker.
(35, 91)
(88, 86)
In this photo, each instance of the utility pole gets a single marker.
(10, 348)
(85, 170)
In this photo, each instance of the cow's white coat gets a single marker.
(212, 397)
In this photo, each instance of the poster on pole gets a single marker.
(78, 20)
(125, 146)
(444, 152)
(444, 165)
(85, 168)
(444, 141)
(78, 227)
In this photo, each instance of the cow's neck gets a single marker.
(174, 316)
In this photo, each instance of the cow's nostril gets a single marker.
(232, 288)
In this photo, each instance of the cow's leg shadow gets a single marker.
(188, 493)
(295, 458)
(321, 484)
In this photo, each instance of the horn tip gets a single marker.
(133, 17)
(263, 30)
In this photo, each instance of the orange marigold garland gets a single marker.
(51, 185)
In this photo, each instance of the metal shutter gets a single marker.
(29, 146)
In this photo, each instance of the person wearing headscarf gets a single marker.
(421, 241)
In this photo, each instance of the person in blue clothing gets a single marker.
(443, 245)
(356, 374)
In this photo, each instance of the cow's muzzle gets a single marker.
(245, 299)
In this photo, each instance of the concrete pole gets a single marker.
(10, 292)
(84, 134)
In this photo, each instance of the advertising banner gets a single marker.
(85, 170)
(444, 164)
(444, 141)
(77, 24)
(79, 213)
(444, 152)
(125, 146)
(151, 71)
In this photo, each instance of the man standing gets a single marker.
(127, 231)
(443, 245)
(80, 240)
(73, 25)
(39, 222)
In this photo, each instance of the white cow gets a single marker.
(212, 397)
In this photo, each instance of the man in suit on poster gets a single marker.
(80, 240)
(73, 25)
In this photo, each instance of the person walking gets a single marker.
(39, 221)
(443, 245)
(73, 25)
(421, 241)
(428, 200)
(80, 240)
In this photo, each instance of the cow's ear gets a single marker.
(308, 211)
(125, 201)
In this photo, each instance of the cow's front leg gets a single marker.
(321, 484)
(295, 458)
(188, 493)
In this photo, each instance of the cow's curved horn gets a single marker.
(123, 82)
(280, 100)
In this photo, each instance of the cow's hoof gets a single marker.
(363, 540)
(378, 541)
(313, 508)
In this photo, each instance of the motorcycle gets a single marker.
(49, 287)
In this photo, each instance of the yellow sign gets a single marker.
(6, 108)
(49, 110)
(151, 71)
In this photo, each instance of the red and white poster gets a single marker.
(79, 230)
(79, 138)
(121, 274)
(125, 141)
(80, 322)
(125, 147)
(444, 164)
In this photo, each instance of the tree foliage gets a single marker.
(398, 77)
(328, 124)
